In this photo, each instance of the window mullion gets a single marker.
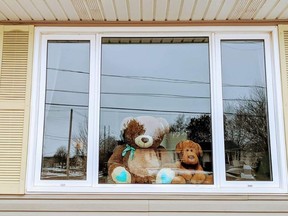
(92, 120)
(94, 109)
(217, 112)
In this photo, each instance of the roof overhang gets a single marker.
(147, 12)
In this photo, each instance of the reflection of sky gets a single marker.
(162, 80)
(67, 84)
(243, 69)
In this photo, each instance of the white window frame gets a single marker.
(215, 34)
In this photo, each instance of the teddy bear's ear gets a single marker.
(123, 126)
(125, 122)
(165, 124)
(200, 150)
(179, 147)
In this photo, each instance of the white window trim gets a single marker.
(94, 34)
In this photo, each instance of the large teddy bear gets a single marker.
(141, 158)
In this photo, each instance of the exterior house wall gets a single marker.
(15, 99)
(152, 205)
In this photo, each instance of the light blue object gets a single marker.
(165, 179)
(122, 177)
(127, 149)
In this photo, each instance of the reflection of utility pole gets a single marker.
(108, 139)
(104, 141)
(69, 144)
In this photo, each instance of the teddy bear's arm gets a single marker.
(116, 168)
(115, 159)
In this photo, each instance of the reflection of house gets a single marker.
(238, 163)
(207, 160)
(232, 152)
(49, 162)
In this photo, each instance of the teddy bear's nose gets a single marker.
(144, 139)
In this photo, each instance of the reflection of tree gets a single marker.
(199, 129)
(80, 147)
(60, 156)
(248, 126)
(180, 125)
(107, 145)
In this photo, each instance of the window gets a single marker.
(246, 131)
(165, 78)
(66, 111)
(175, 112)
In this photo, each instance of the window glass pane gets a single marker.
(155, 117)
(247, 151)
(66, 111)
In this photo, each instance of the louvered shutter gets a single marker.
(15, 84)
(283, 43)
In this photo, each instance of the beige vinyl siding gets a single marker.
(144, 205)
(15, 83)
(283, 43)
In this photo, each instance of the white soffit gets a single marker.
(142, 10)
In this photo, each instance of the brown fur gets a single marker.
(190, 170)
(146, 162)
(132, 130)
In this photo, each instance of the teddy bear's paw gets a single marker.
(121, 176)
(179, 180)
(165, 176)
(198, 178)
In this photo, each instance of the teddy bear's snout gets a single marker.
(191, 157)
(144, 141)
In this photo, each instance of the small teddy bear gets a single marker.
(141, 158)
(190, 170)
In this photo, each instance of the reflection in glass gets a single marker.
(155, 88)
(247, 151)
(66, 111)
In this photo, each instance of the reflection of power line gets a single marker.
(63, 109)
(242, 100)
(157, 79)
(242, 86)
(155, 95)
(67, 105)
(57, 139)
(148, 78)
(80, 114)
(68, 71)
(59, 118)
(152, 110)
(58, 110)
(67, 91)
(250, 115)
(48, 135)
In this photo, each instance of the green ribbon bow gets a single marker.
(129, 148)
